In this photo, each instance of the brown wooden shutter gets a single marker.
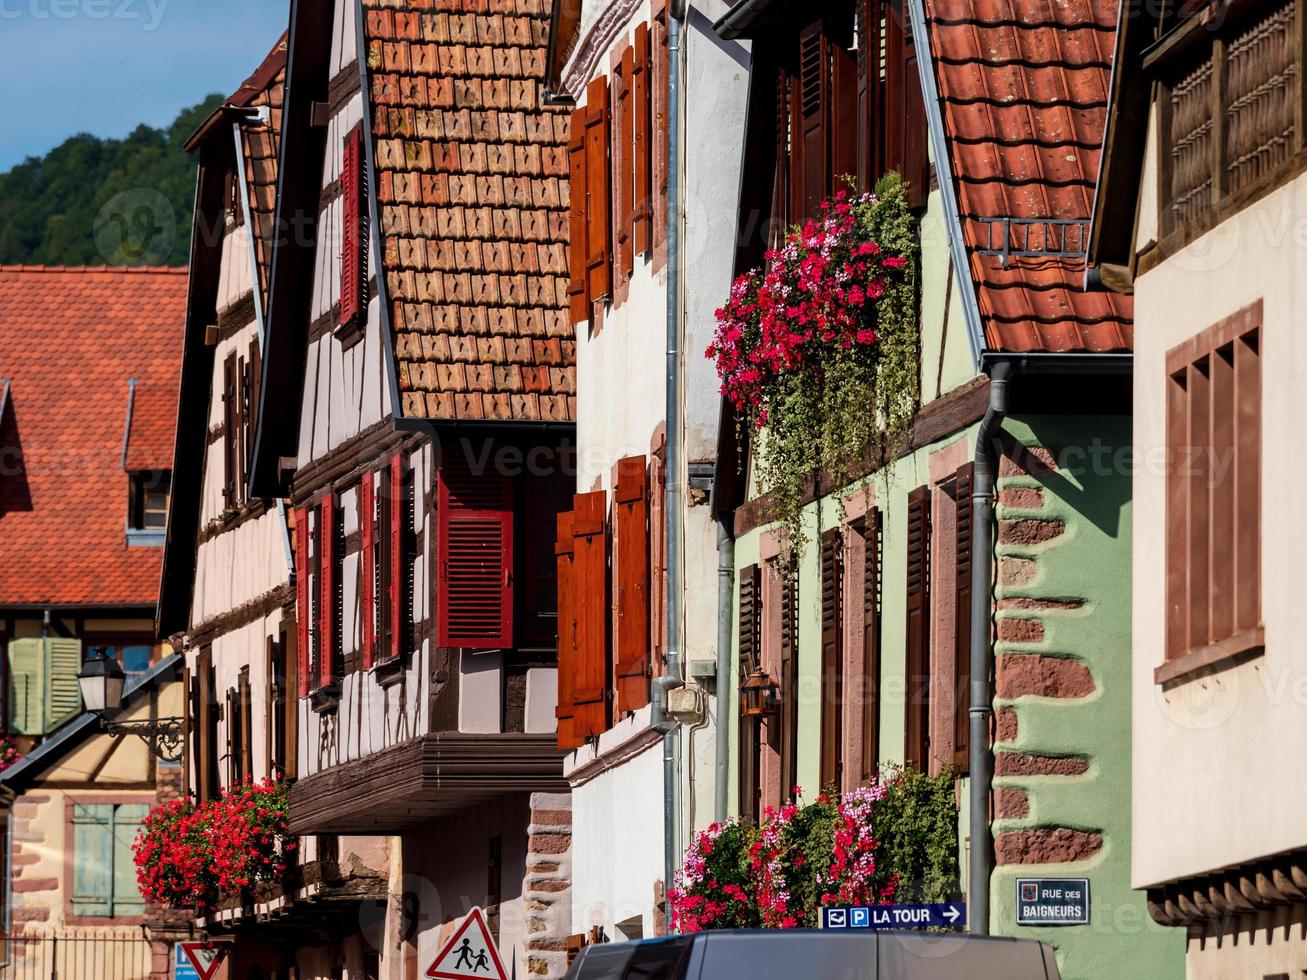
(962, 612)
(844, 130)
(328, 641)
(396, 573)
(750, 650)
(599, 259)
(832, 659)
(368, 568)
(641, 140)
(869, 528)
(252, 408)
(657, 556)
(207, 781)
(475, 591)
(623, 166)
(917, 717)
(246, 725)
(661, 63)
(814, 112)
(578, 295)
(870, 141)
(291, 662)
(567, 654)
(230, 430)
(231, 711)
(241, 441)
(1247, 474)
(905, 110)
(273, 695)
(303, 605)
(590, 679)
(631, 501)
(783, 195)
(789, 681)
(351, 273)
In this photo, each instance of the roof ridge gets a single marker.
(119, 269)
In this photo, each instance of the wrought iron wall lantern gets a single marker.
(760, 696)
(102, 682)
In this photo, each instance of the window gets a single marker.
(148, 503)
(1213, 509)
(43, 688)
(241, 377)
(1229, 103)
(103, 869)
(282, 718)
(134, 654)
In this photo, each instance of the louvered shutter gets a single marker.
(93, 853)
(814, 114)
(870, 530)
(599, 259)
(475, 592)
(749, 626)
(623, 166)
(870, 139)
(962, 612)
(27, 686)
(303, 605)
(207, 780)
(396, 597)
(230, 430)
(789, 679)
(784, 175)
(642, 216)
(64, 693)
(368, 567)
(905, 110)
(252, 410)
(578, 295)
(632, 505)
(659, 151)
(127, 898)
(351, 273)
(241, 439)
(917, 717)
(832, 659)
(567, 665)
(246, 723)
(590, 679)
(328, 642)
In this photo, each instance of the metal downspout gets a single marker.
(981, 756)
(725, 595)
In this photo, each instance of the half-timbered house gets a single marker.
(417, 407)
(228, 593)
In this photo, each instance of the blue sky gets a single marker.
(103, 66)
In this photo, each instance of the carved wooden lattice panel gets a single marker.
(1191, 146)
(1259, 115)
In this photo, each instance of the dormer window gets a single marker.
(147, 506)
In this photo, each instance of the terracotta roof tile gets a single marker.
(265, 88)
(70, 340)
(472, 187)
(1023, 86)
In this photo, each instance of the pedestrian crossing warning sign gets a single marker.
(470, 952)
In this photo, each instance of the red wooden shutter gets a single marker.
(750, 644)
(623, 165)
(475, 593)
(844, 132)
(397, 590)
(368, 568)
(962, 620)
(642, 216)
(599, 259)
(567, 599)
(917, 717)
(577, 293)
(814, 111)
(868, 84)
(590, 685)
(303, 607)
(832, 659)
(870, 530)
(905, 110)
(632, 505)
(351, 273)
(328, 645)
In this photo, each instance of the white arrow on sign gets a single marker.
(952, 914)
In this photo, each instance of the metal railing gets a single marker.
(1061, 238)
(74, 958)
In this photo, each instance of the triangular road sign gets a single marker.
(470, 952)
(205, 957)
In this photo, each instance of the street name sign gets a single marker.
(470, 952)
(1052, 901)
(944, 915)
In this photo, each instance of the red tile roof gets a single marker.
(154, 420)
(472, 189)
(266, 87)
(1023, 87)
(70, 340)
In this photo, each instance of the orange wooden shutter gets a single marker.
(590, 679)
(475, 591)
(962, 620)
(577, 294)
(567, 738)
(832, 659)
(623, 163)
(397, 591)
(327, 640)
(368, 568)
(599, 259)
(351, 273)
(303, 607)
(917, 718)
(642, 215)
(632, 505)
(658, 151)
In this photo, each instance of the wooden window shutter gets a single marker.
(328, 642)
(92, 859)
(245, 723)
(127, 900)
(642, 138)
(392, 579)
(207, 776)
(231, 714)
(632, 505)
(255, 363)
(783, 196)
(578, 293)
(905, 109)
(273, 696)
(599, 258)
(368, 567)
(844, 130)
(832, 659)
(870, 142)
(623, 166)
(303, 604)
(869, 528)
(749, 641)
(241, 440)
(290, 706)
(230, 430)
(475, 591)
(962, 485)
(917, 715)
(661, 64)
(351, 209)
(814, 114)
(590, 687)
(27, 686)
(567, 609)
(789, 682)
